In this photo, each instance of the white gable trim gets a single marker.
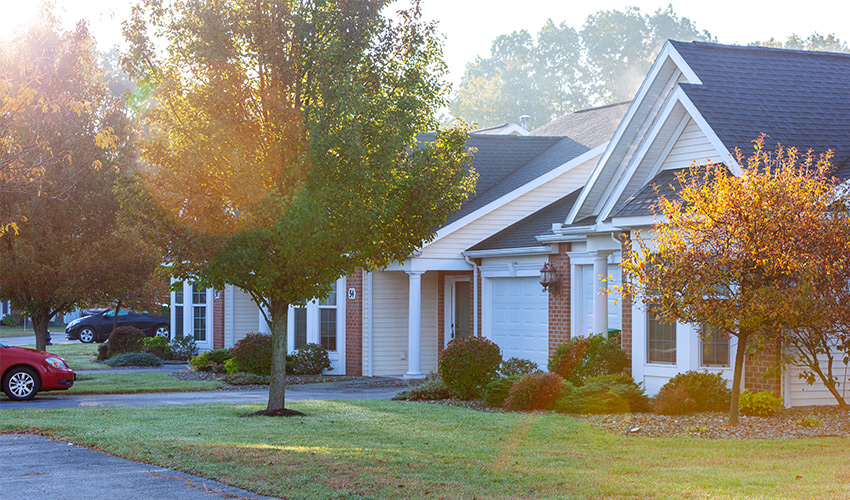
(520, 191)
(706, 129)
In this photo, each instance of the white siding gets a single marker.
(692, 146)
(246, 319)
(453, 244)
(389, 324)
(799, 393)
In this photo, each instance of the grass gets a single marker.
(383, 449)
(132, 383)
(79, 356)
(20, 331)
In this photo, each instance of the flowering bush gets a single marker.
(468, 364)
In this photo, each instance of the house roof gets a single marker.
(798, 98)
(523, 234)
(641, 203)
(505, 162)
(586, 126)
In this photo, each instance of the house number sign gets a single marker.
(352, 293)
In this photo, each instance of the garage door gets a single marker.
(520, 318)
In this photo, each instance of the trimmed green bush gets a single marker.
(518, 366)
(231, 366)
(183, 349)
(708, 390)
(759, 404)
(253, 354)
(12, 320)
(581, 358)
(311, 359)
(134, 359)
(211, 361)
(431, 389)
(535, 391)
(496, 392)
(604, 394)
(158, 346)
(468, 364)
(125, 339)
(242, 378)
(673, 401)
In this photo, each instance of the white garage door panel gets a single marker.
(520, 312)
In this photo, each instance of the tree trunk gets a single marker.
(40, 321)
(736, 379)
(115, 318)
(828, 379)
(277, 388)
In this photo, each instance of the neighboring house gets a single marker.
(5, 308)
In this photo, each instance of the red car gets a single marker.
(27, 371)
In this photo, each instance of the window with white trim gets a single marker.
(199, 313)
(327, 321)
(715, 347)
(660, 340)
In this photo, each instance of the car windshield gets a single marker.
(111, 313)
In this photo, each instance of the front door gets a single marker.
(458, 309)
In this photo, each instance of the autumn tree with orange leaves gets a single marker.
(750, 253)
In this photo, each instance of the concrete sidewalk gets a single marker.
(36, 467)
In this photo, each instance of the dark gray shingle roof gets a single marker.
(589, 127)
(523, 234)
(798, 98)
(641, 203)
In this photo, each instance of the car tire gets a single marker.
(21, 383)
(161, 331)
(87, 335)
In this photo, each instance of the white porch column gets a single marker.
(600, 298)
(188, 310)
(414, 326)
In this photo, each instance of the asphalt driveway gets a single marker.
(36, 467)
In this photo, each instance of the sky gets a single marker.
(470, 26)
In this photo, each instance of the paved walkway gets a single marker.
(35, 467)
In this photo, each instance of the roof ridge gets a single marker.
(755, 48)
(595, 108)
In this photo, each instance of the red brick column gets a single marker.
(762, 371)
(626, 301)
(559, 303)
(218, 320)
(354, 324)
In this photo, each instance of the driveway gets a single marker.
(331, 390)
(35, 467)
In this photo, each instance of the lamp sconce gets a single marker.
(549, 279)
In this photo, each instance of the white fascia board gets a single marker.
(424, 265)
(621, 128)
(659, 124)
(683, 66)
(706, 129)
(511, 252)
(520, 191)
(635, 221)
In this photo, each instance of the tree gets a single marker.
(736, 252)
(565, 69)
(68, 244)
(282, 142)
(828, 43)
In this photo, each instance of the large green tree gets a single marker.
(71, 141)
(282, 142)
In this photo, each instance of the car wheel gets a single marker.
(87, 335)
(21, 384)
(161, 331)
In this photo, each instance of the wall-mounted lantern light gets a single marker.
(549, 279)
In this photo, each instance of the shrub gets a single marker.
(535, 391)
(759, 404)
(708, 390)
(125, 339)
(604, 394)
(232, 366)
(810, 421)
(673, 401)
(583, 357)
(211, 361)
(431, 389)
(158, 346)
(242, 378)
(518, 366)
(468, 364)
(183, 349)
(134, 359)
(253, 354)
(13, 320)
(103, 351)
(311, 359)
(496, 392)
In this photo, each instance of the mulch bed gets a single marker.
(786, 424)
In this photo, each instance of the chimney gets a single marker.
(523, 120)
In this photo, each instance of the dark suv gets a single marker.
(97, 327)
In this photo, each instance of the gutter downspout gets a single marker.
(232, 297)
(369, 323)
(474, 292)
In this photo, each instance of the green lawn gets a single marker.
(20, 331)
(125, 383)
(79, 356)
(384, 449)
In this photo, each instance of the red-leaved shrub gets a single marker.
(535, 391)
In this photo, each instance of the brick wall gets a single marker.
(762, 373)
(354, 324)
(218, 320)
(626, 301)
(559, 303)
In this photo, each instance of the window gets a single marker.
(199, 313)
(300, 326)
(178, 313)
(327, 321)
(660, 340)
(715, 347)
(111, 313)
